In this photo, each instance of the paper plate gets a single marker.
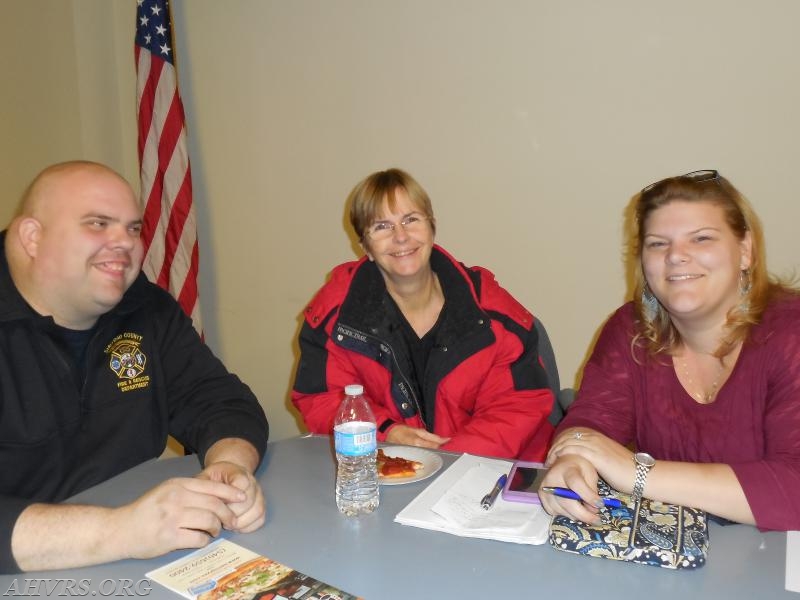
(431, 463)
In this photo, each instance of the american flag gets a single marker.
(169, 230)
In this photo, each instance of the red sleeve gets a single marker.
(768, 397)
(606, 398)
(510, 411)
(772, 485)
(323, 372)
(321, 376)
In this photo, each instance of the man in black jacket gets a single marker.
(97, 367)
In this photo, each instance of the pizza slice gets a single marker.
(395, 466)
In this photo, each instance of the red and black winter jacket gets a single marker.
(484, 379)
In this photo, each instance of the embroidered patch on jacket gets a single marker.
(128, 362)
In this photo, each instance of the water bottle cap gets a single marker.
(354, 389)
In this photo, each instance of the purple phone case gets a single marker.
(530, 497)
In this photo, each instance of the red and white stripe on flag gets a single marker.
(169, 230)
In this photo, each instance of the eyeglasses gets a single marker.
(694, 176)
(383, 230)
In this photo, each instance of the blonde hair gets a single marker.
(658, 334)
(367, 197)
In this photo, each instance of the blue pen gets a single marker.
(488, 499)
(568, 493)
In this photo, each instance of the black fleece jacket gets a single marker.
(147, 375)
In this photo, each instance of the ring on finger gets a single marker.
(578, 435)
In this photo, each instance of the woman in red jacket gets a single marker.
(447, 357)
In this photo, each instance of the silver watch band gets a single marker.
(644, 462)
(638, 482)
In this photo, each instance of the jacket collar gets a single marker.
(13, 306)
(365, 306)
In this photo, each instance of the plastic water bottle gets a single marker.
(354, 432)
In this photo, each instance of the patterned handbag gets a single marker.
(652, 533)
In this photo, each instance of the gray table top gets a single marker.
(361, 555)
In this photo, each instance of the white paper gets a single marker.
(793, 561)
(452, 504)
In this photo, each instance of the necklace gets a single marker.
(703, 396)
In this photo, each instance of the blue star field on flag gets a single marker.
(153, 30)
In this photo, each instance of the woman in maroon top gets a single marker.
(700, 374)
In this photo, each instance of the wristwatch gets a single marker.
(644, 462)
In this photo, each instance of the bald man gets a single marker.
(97, 367)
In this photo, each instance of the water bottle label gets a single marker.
(355, 438)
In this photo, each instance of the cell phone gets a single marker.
(523, 481)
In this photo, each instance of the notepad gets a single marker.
(451, 504)
(793, 561)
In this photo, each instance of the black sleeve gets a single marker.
(10, 509)
(311, 376)
(206, 403)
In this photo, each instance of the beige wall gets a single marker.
(68, 89)
(530, 123)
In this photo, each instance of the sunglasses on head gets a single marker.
(694, 176)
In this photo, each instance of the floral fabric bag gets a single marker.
(650, 533)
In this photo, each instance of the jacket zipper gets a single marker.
(408, 386)
(397, 367)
